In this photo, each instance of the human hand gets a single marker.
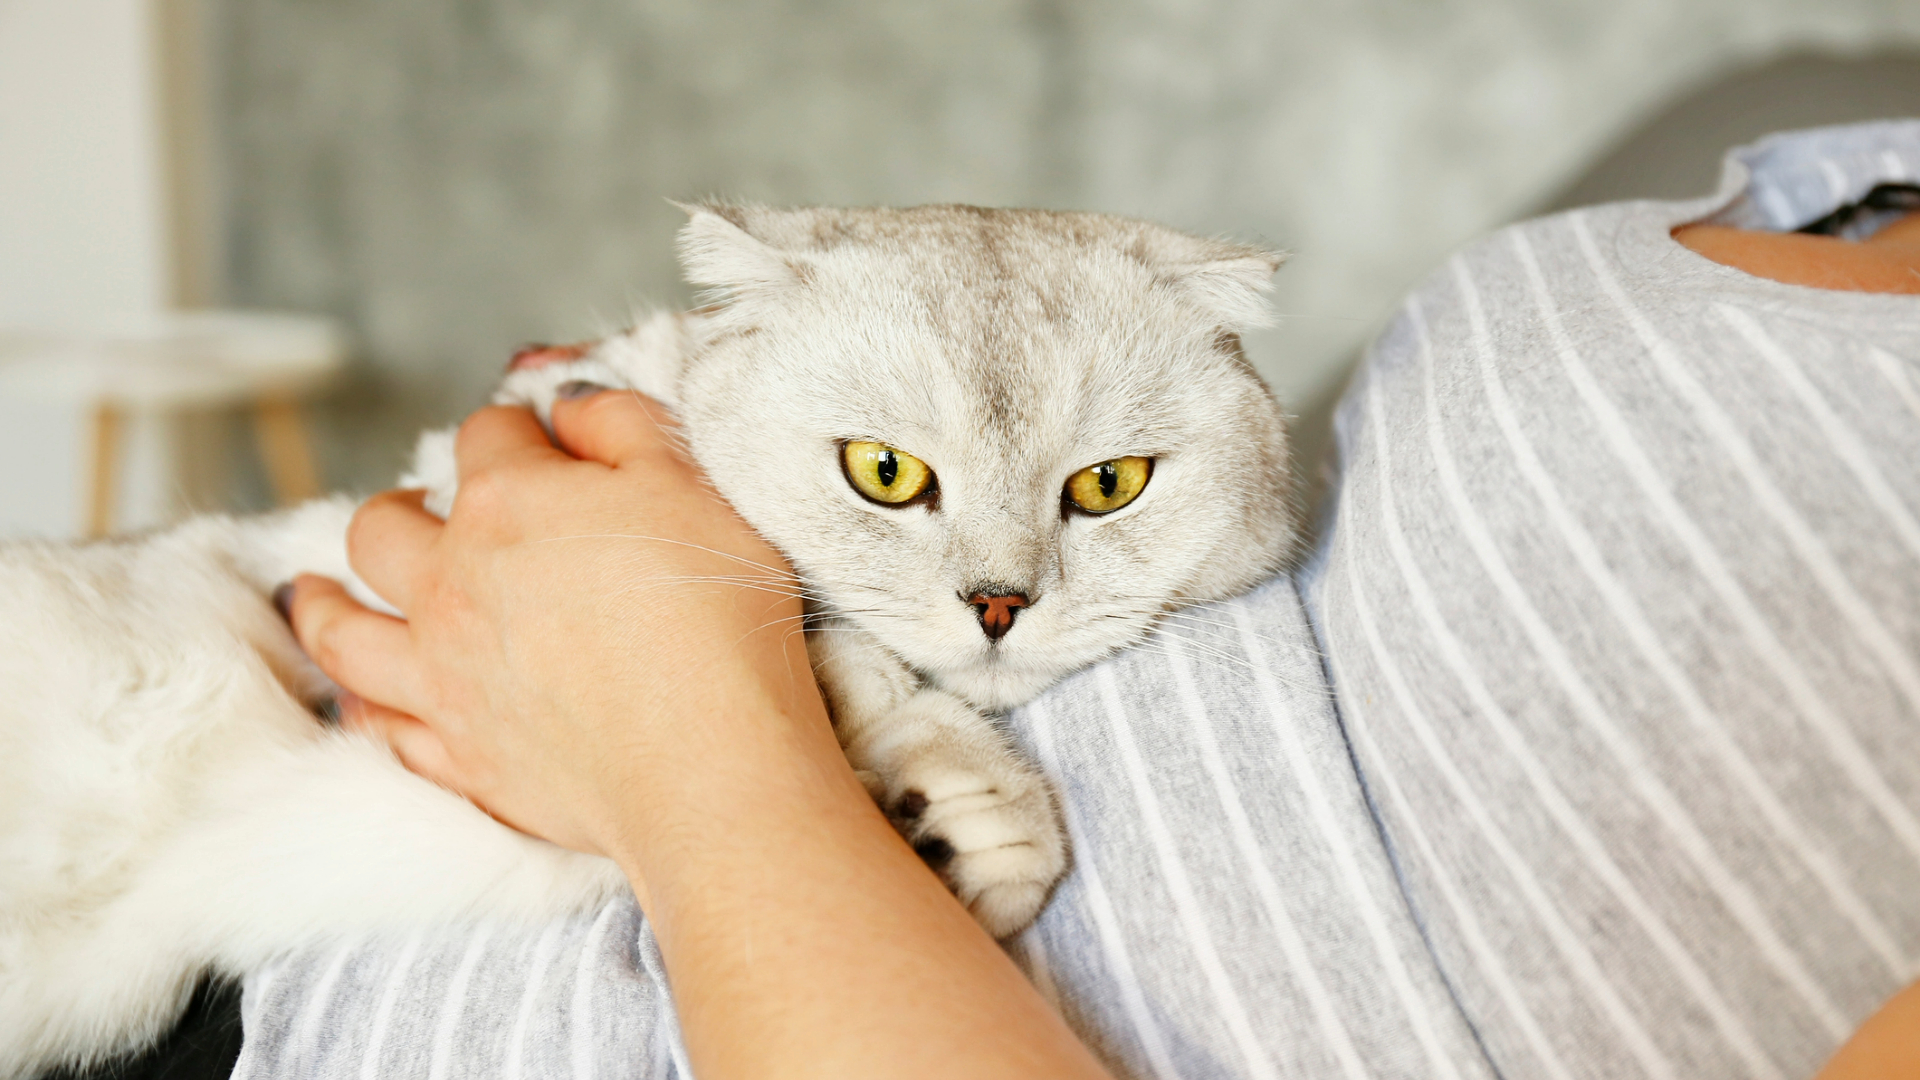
(587, 637)
(597, 651)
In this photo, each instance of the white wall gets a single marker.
(81, 214)
(82, 229)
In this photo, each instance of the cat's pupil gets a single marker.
(1109, 479)
(888, 468)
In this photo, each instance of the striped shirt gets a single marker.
(1587, 745)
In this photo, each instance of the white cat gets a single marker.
(996, 444)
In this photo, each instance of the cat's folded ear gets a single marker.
(718, 252)
(1229, 281)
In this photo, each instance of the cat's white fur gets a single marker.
(168, 803)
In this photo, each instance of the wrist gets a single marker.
(731, 792)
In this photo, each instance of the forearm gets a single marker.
(803, 937)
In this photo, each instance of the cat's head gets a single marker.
(1003, 441)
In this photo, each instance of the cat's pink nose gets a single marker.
(996, 612)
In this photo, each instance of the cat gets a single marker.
(996, 446)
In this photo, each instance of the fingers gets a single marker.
(412, 741)
(497, 435)
(368, 653)
(613, 427)
(390, 543)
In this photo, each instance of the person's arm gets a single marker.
(599, 652)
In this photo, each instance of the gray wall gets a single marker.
(453, 177)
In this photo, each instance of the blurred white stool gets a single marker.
(163, 364)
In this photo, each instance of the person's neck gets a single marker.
(1886, 262)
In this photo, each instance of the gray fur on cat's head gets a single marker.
(1008, 349)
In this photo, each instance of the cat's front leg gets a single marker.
(975, 810)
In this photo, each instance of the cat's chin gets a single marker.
(997, 687)
(998, 679)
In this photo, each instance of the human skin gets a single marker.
(1888, 1044)
(1886, 262)
(1886, 1047)
(599, 652)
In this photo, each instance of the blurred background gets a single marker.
(433, 182)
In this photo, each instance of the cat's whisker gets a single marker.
(1191, 616)
(1227, 662)
(1315, 687)
(804, 618)
(791, 584)
(1152, 637)
(1161, 648)
(742, 560)
(1218, 656)
(1199, 651)
(1185, 619)
(771, 623)
(656, 583)
(777, 588)
(1190, 620)
(791, 588)
(863, 587)
(780, 588)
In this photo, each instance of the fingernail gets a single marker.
(527, 356)
(340, 709)
(538, 356)
(283, 601)
(578, 388)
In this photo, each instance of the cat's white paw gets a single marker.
(989, 829)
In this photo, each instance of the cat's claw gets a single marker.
(995, 840)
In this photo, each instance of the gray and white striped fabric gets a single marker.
(1621, 611)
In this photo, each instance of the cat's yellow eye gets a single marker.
(884, 474)
(1110, 485)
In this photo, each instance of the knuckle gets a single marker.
(359, 525)
(447, 600)
(481, 419)
(486, 492)
(479, 429)
(624, 411)
(600, 414)
(322, 643)
(605, 404)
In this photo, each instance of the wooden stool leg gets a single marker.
(106, 467)
(285, 449)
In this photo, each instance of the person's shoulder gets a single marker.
(1519, 285)
(1778, 183)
